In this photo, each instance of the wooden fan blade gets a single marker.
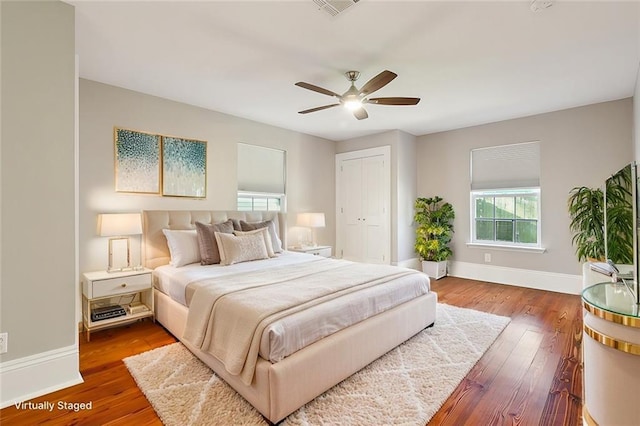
(314, 88)
(360, 113)
(378, 82)
(307, 111)
(394, 101)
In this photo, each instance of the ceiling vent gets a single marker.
(335, 7)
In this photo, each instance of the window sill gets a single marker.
(507, 247)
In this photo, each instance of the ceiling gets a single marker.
(471, 62)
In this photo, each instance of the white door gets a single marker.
(363, 183)
(351, 184)
(373, 218)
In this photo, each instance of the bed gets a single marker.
(286, 372)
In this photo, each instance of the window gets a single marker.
(505, 195)
(261, 178)
(260, 201)
(510, 217)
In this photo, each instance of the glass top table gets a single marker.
(612, 301)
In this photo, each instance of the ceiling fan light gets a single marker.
(353, 104)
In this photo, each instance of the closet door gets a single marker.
(373, 217)
(362, 205)
(351, 215)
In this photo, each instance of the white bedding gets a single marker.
(294, 332)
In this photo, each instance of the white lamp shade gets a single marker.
(118, 224)
(311, 220)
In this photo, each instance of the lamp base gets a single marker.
(119, 254)
(307, 246)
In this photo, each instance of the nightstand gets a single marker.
(324, 251)
(131, 289)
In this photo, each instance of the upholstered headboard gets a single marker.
(155, 251)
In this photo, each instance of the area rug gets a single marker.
(406, 386)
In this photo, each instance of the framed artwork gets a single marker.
(137, 161)
(184, 167)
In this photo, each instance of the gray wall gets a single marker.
(406, 192)
(37, 226)
(636, 110)
(636, 119)
(579, 146)
(310, 162)
(403, 185)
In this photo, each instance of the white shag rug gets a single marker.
(406, 386)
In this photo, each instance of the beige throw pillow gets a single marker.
(265, 234)
(236, 249)
(270, 225)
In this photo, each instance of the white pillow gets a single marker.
(265, 234)
(236, 249)
(183, 246)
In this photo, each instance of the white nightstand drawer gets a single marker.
(120, 285)
(323, 251)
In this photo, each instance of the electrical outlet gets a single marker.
(4, 344)
(487, 257)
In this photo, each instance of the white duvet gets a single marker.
(292, 333)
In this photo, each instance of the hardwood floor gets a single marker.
(532, 375)
(116, 400)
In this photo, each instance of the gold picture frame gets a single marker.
(151, 163)
(137, 161)
(184, 167)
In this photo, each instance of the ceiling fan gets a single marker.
(354, 99)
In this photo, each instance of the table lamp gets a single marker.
(119, 226)
(313, 221)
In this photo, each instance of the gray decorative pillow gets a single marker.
(236, 224)
(209, 252)
(269, 224)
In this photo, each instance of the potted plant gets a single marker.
(433, 234)
(586, 209)
(619, 220)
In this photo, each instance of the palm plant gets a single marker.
(586, 208)
(619, 217)
(587, 211)
(435, 228)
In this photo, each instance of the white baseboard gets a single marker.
(541, 280)
(36, 375)
(410, 263)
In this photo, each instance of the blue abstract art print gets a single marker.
(137, 161)
(184, 167)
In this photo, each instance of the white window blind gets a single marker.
(261, 169)
(506, 166)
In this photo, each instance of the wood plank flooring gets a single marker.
(116, 400)
(532, 375)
